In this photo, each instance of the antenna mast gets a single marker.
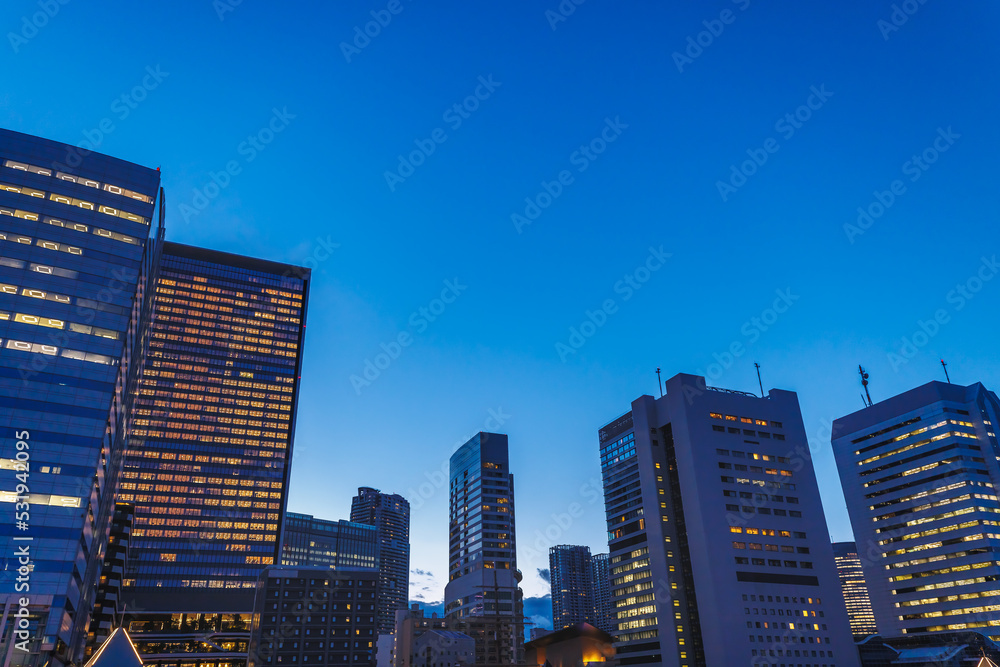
(658, 381)
(867, 398)
(757, 366)
(945, 367)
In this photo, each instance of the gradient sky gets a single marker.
(318, 194)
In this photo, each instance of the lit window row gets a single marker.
(938, 531)
(75, 226)
(752, 455)
(40, 499)
(744, 420)
(52, 350)
(937, 517)
(767, 532)
(48, 245)
(923, 508)
(73, 201)
(905, 436)
(53, 323)
(953, 612)
(107, 187)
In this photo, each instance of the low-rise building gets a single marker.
(443, 648)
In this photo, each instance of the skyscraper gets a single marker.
(74, 230)
(604, 618)
(920, 473)
(483, 578)
(309, 542)
(718, 542)
(852, 582)
(572, 577)
(390, 514)
(207, 464)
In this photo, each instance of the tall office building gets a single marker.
(208, 458)
(337, 545)
(572, 583)
(604, 618)
(920, 473)
(483, 578)
(390, 514)
(718, 543)
(74, 230)
(852, 583)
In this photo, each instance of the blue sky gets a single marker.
(630, 153)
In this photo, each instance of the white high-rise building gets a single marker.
(719, 550)
(920, 474)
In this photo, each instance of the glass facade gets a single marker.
(390, 514)
(571, 573)
(482, 566)
(207, 463)
(604, 617)
(852, 581)
(74, 230)
(920, 473)
(335, 544)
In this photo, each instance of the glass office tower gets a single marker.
(604, 617)
(309, 541)
(74, 230)
(390, 514)
(572, 575)
(920, 473)
(852, 581)
(207, 464)
(482, 596)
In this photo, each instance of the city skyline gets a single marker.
(770, 270)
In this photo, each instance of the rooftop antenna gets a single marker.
(658, 381)
(757, 366)
(867, 398)
(945, 367)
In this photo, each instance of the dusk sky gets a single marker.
(681, 168)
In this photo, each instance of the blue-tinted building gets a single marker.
(572, 576)
(390, 514)
(309, 542)
(209, 449)
(482, 590)
(74, 231)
